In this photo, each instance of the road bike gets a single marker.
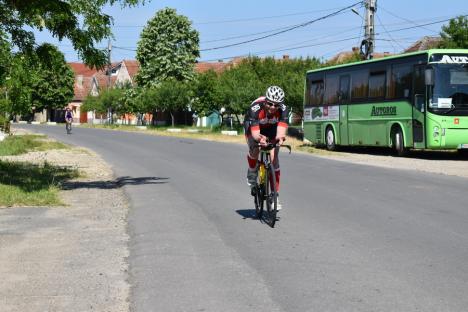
(264, 192)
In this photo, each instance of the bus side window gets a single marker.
(401, 80)
(331, 89)
(377, 84)
(359, 85)
(316, 92)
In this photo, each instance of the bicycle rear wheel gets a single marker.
(271, 196)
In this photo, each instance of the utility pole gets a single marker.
(109, 74)
(368, 44)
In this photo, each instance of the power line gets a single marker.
(385, 29)
(281, 50)
(262, 18)
(240, 19)
(305, 46)
(285, 30)
(405, 19)
(427, 24)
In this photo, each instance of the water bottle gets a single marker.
(261, 173)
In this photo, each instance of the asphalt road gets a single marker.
(350, 237)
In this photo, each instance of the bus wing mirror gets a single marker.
(429, 76)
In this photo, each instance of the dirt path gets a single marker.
(69, 258)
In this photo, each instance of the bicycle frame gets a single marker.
(266, 188)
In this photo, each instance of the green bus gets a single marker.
(410, 101)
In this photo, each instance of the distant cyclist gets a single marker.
(68, 119)
(266, 121)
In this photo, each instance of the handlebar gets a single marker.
(271, 146)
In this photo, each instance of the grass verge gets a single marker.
(20, 144)
(24, 184)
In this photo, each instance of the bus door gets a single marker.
(344, 95)
(419, 106)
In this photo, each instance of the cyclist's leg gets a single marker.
(252, 160)
(275, 161)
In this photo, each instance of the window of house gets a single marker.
(377, 84)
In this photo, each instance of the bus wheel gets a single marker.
(330, 139)
(399, 143)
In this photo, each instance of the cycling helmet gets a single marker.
(275, 94)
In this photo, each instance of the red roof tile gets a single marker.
(82, 69)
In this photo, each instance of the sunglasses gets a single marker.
(276, 105)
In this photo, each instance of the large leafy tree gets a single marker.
(455, 34)
(53, 87)
(172, 95)
(5, 58)
(81, 21)
(167, 49)
(20, 85)
(205, 91)
(238, 87)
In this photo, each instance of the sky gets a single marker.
(222, 23)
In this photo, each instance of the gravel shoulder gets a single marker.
(70, 258)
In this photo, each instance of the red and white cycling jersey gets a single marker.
(257, 118)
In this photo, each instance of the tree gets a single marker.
(172, 95)
(5, 58)
(53, 86)
(81, 21)
(167, 49)
(109, 99)
(205, 93)
(239, 86)
(455, 34)
(20, 85)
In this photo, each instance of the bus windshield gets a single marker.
(449, 95)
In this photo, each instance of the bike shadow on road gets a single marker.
(114, 184)
(247, 214)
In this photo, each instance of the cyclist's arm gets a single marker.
(253, 116)
(282, 127)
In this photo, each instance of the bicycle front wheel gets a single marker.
(271, 196)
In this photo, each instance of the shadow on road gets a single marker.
(113, 184)
(247, 213)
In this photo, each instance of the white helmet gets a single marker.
(275, 94)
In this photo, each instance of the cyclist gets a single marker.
(266, 121)
(68, 119)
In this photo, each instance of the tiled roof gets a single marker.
(82, 69)
(82, 88)
(343, 56)
(132, 67)
(425, 43)
(218, 67)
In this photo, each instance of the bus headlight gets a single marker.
(435, 132)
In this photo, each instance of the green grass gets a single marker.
(20, 144)
(23, 184)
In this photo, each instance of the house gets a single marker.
(425, 43)
(82, 87)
